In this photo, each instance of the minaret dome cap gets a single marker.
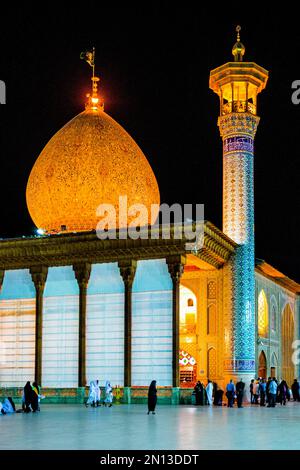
(238, 49)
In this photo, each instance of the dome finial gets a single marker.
(94, 103)
(238, 49)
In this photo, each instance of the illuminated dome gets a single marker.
(92, 160)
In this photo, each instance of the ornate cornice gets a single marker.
(71, 249)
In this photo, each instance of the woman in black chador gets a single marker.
(152, 397)
(199, 393)
(27, 398)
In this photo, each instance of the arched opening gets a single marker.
(263, 316)
(287, 338)
(274, 365)
(262, 365)
(188, 338)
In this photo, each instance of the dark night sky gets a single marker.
(154, 63)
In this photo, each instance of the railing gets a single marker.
(238, 107)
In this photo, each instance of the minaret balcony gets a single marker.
(238, 107)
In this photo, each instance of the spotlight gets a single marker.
(40, 231)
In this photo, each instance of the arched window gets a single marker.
(287, 338)
(211, 363)
(211, 290)
(262, 320)
(273, 318)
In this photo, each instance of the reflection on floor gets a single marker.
(172, 427)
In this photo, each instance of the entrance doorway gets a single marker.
(188, 338)
(262, 365)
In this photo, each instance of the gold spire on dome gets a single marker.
(238, 49)
(94, 103)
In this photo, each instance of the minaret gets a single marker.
(238, 83)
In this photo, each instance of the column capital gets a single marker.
(235, 124)
(39, 276)
(82, 273)
(127, 270)
(176, 266)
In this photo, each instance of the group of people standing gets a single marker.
(94, 398)
(270, 392)
(263, 392)
(209, 394)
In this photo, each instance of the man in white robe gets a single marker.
(92, 395)
(209, 392)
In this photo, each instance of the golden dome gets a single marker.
(92, 160)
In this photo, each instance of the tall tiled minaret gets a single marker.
(237, 84)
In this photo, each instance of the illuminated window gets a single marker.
(262, 314)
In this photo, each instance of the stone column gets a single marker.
(127, 271)
(82, 273)
(176, 266)
(1, 278)
(39, 277)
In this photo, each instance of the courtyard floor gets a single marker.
(128, 427)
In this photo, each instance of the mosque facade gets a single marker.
(75, 308)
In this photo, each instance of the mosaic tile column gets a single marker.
(238, 132)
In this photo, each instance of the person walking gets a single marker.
(199, 393)
(251, 392)
(255, 391)
(295, 390)
(108, 394)
(92, 395)
(152, 397)
(97, 393)
(209, 392)
(272, 393)
(268, 390)
(230, 391)
(240, 393)
(262, 392)
(282, 392)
